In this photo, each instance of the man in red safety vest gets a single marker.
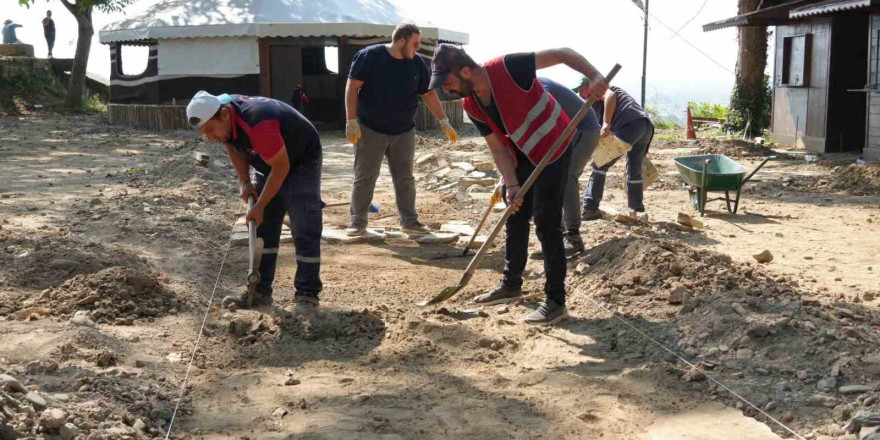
(520, 122)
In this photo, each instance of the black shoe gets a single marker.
(306, 299)
(261, 299)
(574, 244)
(591, 214)
(500, 295)
(548, 313)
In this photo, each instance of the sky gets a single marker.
(604, 31)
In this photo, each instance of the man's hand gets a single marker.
(249, 190)
(606, 130)
(598, 86)
(448, 131)
(352, 131)
(512, 197)
(255, 214)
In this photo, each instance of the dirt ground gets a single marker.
(112, 240)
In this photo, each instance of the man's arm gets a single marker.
(352, 87)
(506, 166)
(574, 60)
(610, 105)
(280, 164)
(242, 171)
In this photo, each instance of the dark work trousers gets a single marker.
(637, 133)
(50, 42)
(544, 203)
(299, 198)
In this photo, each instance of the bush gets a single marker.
(658, 119)
(21, 92)
(707, 110)
(759, 105)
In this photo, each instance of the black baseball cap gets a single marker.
(447, 58)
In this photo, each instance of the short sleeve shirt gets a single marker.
(388, 100)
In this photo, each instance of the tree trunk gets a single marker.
(77, 84)
(748, 101)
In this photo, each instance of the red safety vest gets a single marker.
(532, 118)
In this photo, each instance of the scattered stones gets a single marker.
(36, 400)
(68, 431)
(53, 418)
(81, 319)
(467, 167)
(744, 354)
(291, 382)
(868, 296)
(827, 383)
(9, 383)
(763, 257)
(338, 236)
(202, 158)
(438, 238)
(739, 309)
(139, 425)
(788, 417)
(105, 359)
(694, 376)
(485, 167)
(758, 330)
(822, 400)
(868, 419)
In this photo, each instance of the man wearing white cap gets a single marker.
(284, 149)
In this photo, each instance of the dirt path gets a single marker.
(78, 196)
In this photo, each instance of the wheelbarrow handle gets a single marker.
(757, 168)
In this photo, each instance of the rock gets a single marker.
(694, 376)
(467, 167)
(461, 228)
(81, 319)
(855, 389)
(36, 400)
(868, 419)
(822, 400)
(50, 366)
(279, 413)
(679, 295)
(485, 167)
(443, 172)
(828, 383)
(91, 299)
(476, 175)
(139, 425)
(843, 313)
(466, 182)
(759, 330)
(11, 384)
(202, 158)
(426, 158)
(771, 406)
(744, 354)
(361, 398)
(62, 264)
(68, 431)
(739, 309)
(676, 269)
(291, 382)
(687, 220)
(788, 417)
(763, 257)
(868, 296)
(337, 236)
(53, 418)
(105, 359)
(438, 238)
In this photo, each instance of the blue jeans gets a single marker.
(299, 198)
(544, 202)
(637, 133)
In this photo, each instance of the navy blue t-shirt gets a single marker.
(388, 100)
(571, 103)
(626, 110)
(261, 127)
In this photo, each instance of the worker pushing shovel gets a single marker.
(522, 124)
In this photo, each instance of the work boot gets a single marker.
(591, 214)
(548, 313)
(355, 231)
(261, 299)
(416, 228)
(574, 244)
(500, 295)
(306, 300)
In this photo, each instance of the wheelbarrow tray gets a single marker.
(725, 174)
(714, 173)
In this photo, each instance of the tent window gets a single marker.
(132, 60)
(331, 58)
(314, 63)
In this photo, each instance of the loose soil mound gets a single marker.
(117, 295)
(861, 178)
(738, 149)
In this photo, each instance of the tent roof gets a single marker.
(269, 18)
(766, 16)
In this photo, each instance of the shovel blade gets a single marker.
(444, 294)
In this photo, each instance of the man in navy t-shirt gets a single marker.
(381, 99)
(284, 149)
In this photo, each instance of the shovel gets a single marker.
(496, 197)
(451, 291)
(255, 248)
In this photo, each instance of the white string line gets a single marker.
(607, 309)
(199, 339)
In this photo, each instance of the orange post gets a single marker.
(690, 126)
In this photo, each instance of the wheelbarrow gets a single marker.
(714, 173)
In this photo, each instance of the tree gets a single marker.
(750, 99)
(82, 11)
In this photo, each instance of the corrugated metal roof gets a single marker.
(831, 6)
(270, 18)
(768, 16)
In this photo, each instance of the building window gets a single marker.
(795, 61)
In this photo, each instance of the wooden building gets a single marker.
(826, 92)
(252, 47)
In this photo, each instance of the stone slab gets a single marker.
(337, 236)
(712, 421)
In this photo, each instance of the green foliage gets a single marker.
(86, 6)
(94, 104)
(707, 110)
(657, 118)
(39, 87)
(756, 103)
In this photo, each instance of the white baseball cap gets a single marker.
(201, 108)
